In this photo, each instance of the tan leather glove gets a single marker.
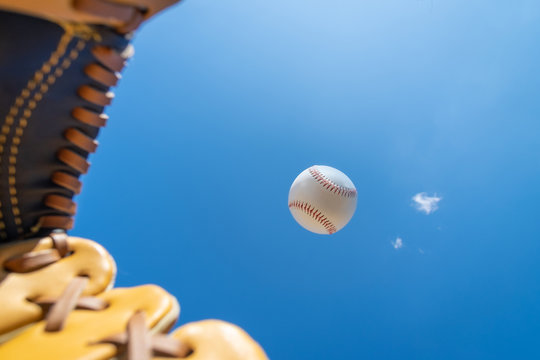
(55, 303)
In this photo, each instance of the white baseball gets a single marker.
(322, 199)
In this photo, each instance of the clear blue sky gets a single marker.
(226, 102)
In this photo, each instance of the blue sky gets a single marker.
(226, 102)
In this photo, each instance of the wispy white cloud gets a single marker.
(398, 243)
(425, 203)
(421, 251)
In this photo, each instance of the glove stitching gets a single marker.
(100, 73)
(104, 71)
(51, 78)
(14, 111)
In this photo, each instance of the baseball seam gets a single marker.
(330, 185)
(314, 213)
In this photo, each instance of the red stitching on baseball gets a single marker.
(316, 214)
(330, 185)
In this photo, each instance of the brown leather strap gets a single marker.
(61, 203)
(95, 96)
(70, 182)
(141, 346)
(81, 140)
(102, 75)
(84, 302)
(109, 58)
(89, 117)
(167, 346)
(59, 312)
(60, 242)
(32, 261)
(74, 160)
(135, 21)
(138, 346)
(56, 222)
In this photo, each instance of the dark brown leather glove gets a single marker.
(56, 69)
(58, 60)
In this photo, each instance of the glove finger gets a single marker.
(98, 334)
(19, 289)
(216, 339)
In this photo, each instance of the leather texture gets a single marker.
(39, 91)
(84, 330)
(87, 258)
(216, 339)
(104, 12)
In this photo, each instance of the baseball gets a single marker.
(322, 199)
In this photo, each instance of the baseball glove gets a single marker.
(58, 61)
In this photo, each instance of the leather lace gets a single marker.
(142, 346)
(32, 261)
(136, 341)
(106, 71)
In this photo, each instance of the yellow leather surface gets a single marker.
(88, 258)
(84, 328)
(218, 340)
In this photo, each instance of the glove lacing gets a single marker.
(136, 341)
(105, 71)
